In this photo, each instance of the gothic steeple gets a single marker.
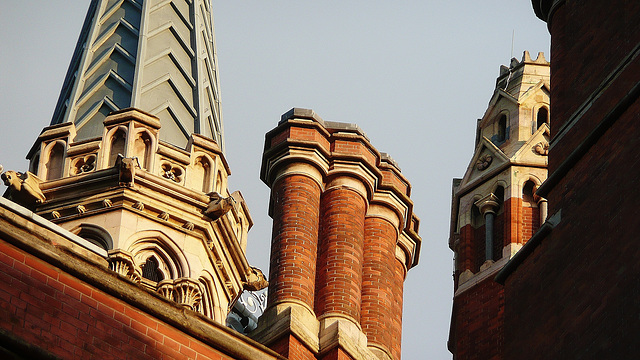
(156, 56)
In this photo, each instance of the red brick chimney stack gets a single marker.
(344, 235)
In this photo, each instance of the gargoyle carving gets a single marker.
(127, 169)
(218, 205)
(255, 280)
(24, 188)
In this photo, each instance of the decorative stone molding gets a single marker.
(107, 203)
(138, 206)
(171, 172)
(55, 215)
(83, 165)
(187, 293)
(81, 209)
(466, 275)
(164, 216)
(122, 262)
(165, 288)
(541, 148)
(189, 226)
(487, 204)
(484, 162)
(24, 188)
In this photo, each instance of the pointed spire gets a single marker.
(159, 57)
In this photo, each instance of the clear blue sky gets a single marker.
(415, 75)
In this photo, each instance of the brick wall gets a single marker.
(478, 316)
(50, 309)
(577, 294)
(340, 252)
(295, 240)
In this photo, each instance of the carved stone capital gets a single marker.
(122, 262)
(488, 204)
(187, 293)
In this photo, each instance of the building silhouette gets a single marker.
(123, 240)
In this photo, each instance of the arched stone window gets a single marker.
(95, 235)
(117, 146)
(528, 190)
(542, 117)
(501, 133)
(201, 174)
(55, 162)
(142, 148)
(151, 270)
(218, 185)
(530, 212)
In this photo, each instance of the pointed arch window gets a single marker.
(118, 142)
(151, 270)
(142, 149)
(56, 161)
(501, 134)
(542, 117)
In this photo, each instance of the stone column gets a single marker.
(542, 205)
(488, 207)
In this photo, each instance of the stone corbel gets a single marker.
(24, 188)
(122, 262)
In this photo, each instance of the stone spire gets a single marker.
(156, 56)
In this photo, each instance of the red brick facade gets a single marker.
(295, 240)
(88, 312)
(574, 293)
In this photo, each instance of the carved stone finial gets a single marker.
(255, 280)
(218, 205)
(24, 188)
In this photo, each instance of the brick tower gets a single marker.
(494, 208)
(344, 236)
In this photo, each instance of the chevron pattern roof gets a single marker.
(155, 55)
